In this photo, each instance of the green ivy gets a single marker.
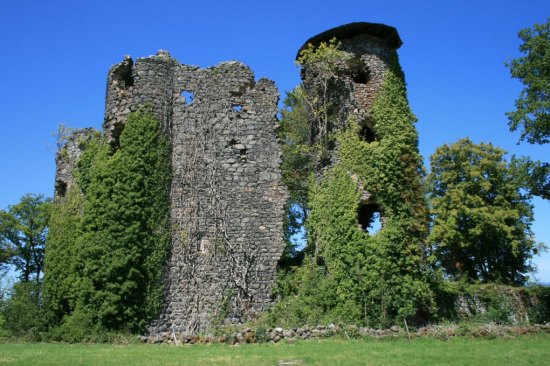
(61, 250)
(109, 241)
(358, 277)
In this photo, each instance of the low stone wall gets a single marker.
(277, 335)
(501, 304)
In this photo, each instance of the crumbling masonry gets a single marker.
(227, 197)
(371, 47)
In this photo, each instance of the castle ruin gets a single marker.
(371, 49)
(227, 197)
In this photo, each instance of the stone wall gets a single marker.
(67, 158)
(357, 80)
(371, 49)
(227, 195)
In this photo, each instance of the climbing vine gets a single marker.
(374, 279)
(113, 229)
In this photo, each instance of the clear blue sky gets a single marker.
(55, 56)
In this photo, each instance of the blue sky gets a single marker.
(56, 54)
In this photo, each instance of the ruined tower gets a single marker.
(368, 169)
(226, 196)
(371, 50)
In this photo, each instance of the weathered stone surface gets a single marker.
(227, 196)
(66, 159)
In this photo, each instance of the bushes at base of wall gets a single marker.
(494, 303)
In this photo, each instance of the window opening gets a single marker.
(358, 70)
(188, 97)
(366, 133)
(122, 75)
(361, 77)
(369, 218)
(60, 188)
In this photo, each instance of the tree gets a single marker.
(296, 166)
(23, 230)
(533, 105)
(533, 70)
(481, 215)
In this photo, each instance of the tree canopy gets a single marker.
(23, 231)
(481, 216)
(532, 112)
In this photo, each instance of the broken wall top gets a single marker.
(387, 34)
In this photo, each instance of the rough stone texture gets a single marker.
(66, 159)
(372, 49)
(359, 80)
(227, 195)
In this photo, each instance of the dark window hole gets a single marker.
(188, 97)
(60, 188)
(366, 133)
(122, 75)
(361, 77)
(358, 70)
(369, 218)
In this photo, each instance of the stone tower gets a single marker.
(227, 196)
(372, 49)
(368, 213)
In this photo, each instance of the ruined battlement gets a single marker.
(372, 48)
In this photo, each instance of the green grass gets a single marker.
(521, 350)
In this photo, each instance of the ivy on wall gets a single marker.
(362, 277)
(110, 235)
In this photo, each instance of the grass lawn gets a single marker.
(522, 350)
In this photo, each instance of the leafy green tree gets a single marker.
(481, 215)
(533, 175)
(532, 112)
(319, 97)
(23, 230)
(297, 164)
(24, 313)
